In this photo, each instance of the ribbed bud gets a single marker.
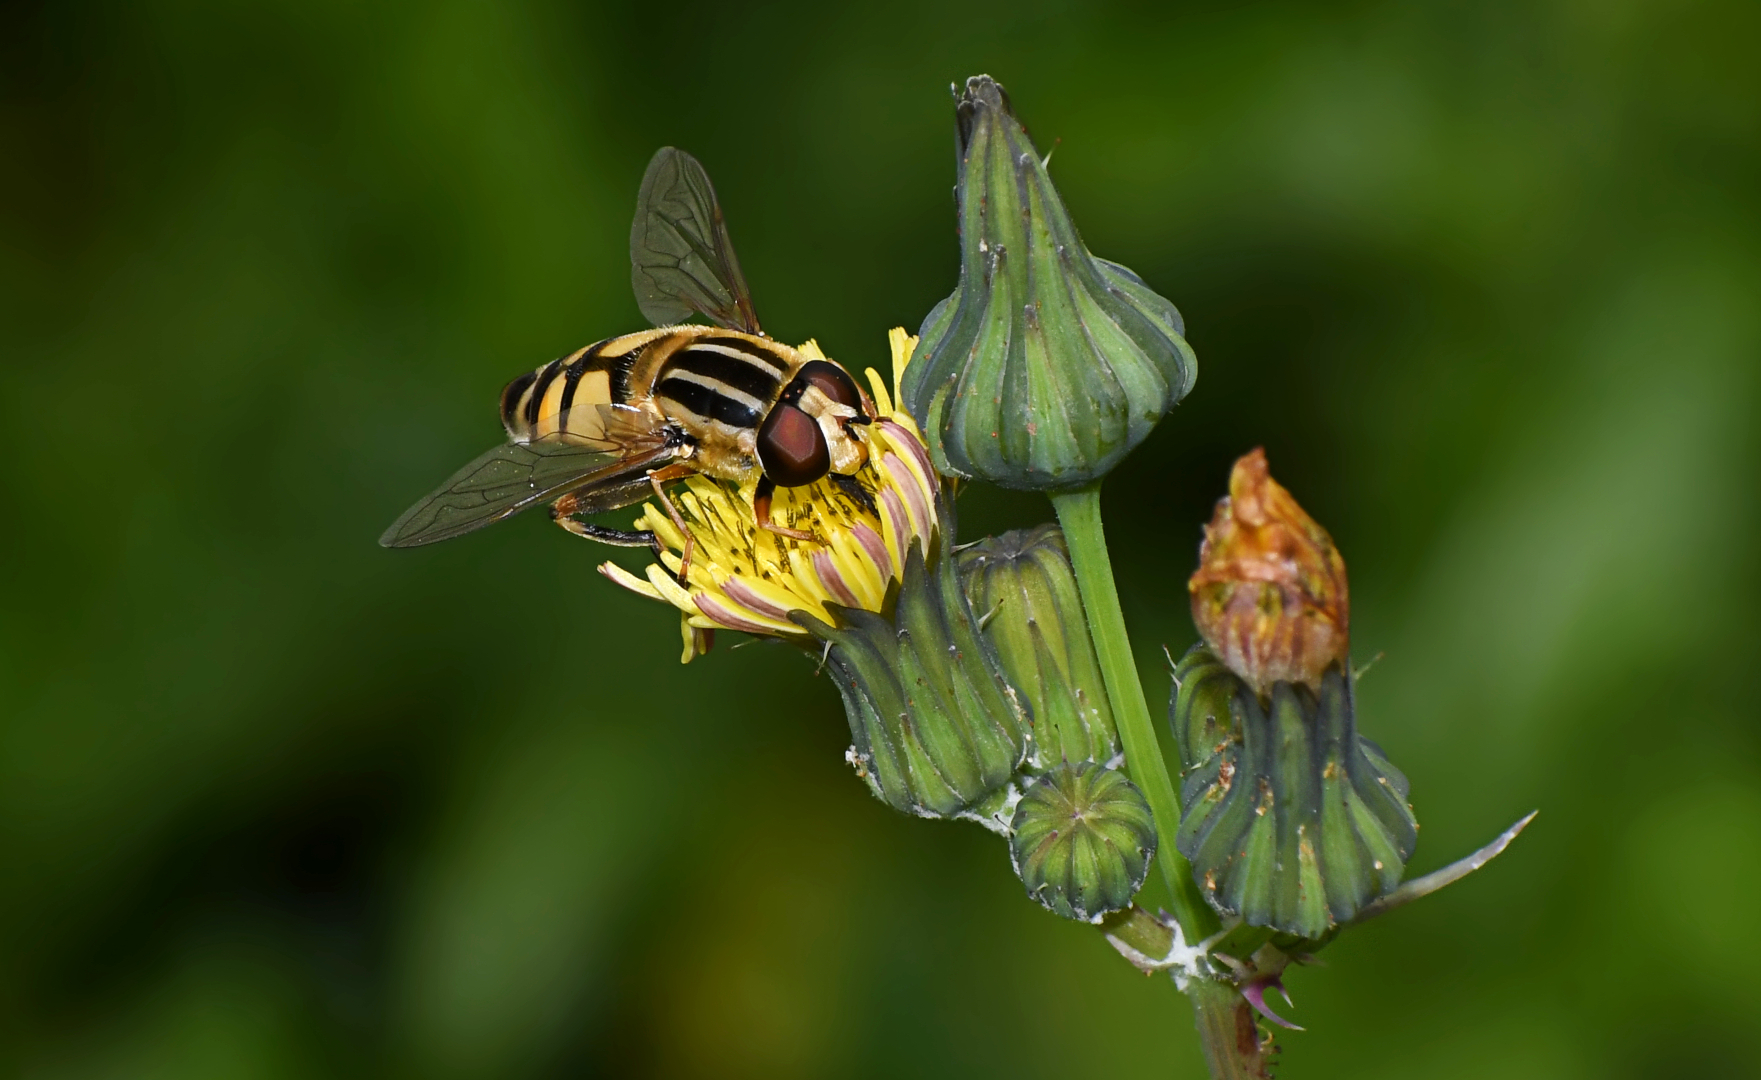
(1046, 365)
(1270, 595)
(937, 729)
(1291, 819)
(1082, 840)
(1024, 593)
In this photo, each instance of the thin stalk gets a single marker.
(1227, 1030)
(1226, 1027)
(1079, 514)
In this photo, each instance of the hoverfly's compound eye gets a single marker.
(833, 381)
(792, 448)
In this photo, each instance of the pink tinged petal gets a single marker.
(630, 581)
(898, 526)
(827, 569)
(875, 548)
(920, 514)
(1255, 993)
(857, 570)
(715, 610)
(746, 596)
(901, 436)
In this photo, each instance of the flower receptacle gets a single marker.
(1290, 818)
(936, 728)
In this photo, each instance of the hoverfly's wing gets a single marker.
(681, 260)
(512, 477)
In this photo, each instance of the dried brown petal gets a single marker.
(1270, 595)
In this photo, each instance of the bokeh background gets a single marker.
(274, 802)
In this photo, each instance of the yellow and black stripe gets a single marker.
(562, 396)
(722, 379)
(702, 377)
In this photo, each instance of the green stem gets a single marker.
(1079, 514)
(1225, 1024)
(1227, 1030)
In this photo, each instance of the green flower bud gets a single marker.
(937, 729)
(1082, 841)
(1046, 365)
(1291, 819)
(1024, 592)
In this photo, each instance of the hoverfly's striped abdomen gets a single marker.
(713, 387)
(562, 398)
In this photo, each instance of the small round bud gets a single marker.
(1269, 595)
(1083, 839)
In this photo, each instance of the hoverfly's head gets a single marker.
(807, 432)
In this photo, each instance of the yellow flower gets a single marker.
(745, 578)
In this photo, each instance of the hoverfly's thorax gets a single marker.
(718, 377)
(719, 386)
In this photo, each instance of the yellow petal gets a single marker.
(902, 345)
(669, 588)
(877, 387)
(630, 581)
(693, 639)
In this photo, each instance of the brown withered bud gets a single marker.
(1269, 595)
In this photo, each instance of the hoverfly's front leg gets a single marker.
(658, 479)
(854, 491)
(761, 497)
(563, 510)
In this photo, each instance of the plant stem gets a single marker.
(1227, 1030)
(1226, 1026)
(1079, 514)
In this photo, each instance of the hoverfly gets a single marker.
(608, 425)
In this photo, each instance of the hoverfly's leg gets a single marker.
(656, 479)
(562, 512)
(853, 488)
(614, 537)
(761, 511)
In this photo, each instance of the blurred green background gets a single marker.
(275, 802)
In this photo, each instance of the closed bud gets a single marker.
(1291, 819)
(937, 729)
(1024, 592)
(1269, 595)
(1047, 365)
(1082, 840)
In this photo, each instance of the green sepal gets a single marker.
(1047, 365)
(936, 728)
(1022, 588)
(1290, 818)
(1081, 840)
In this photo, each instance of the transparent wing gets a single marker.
(510, 478)
(681, 260)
